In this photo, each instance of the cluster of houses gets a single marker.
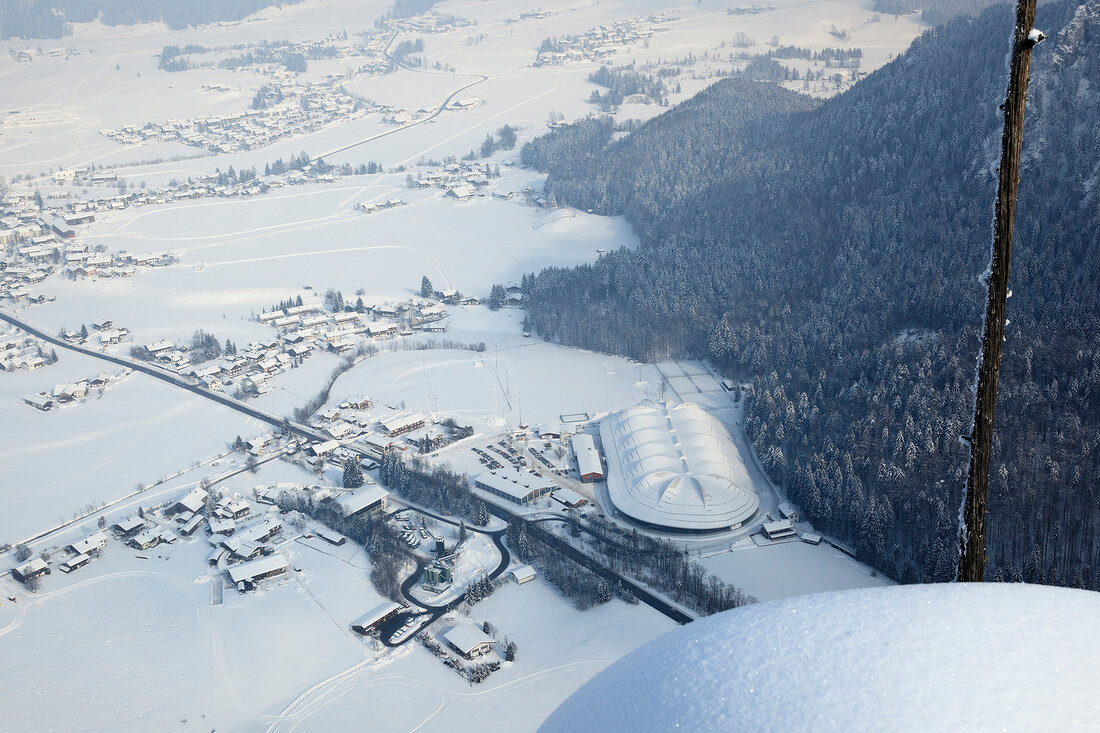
(65, 394)
(36, 243)
(104, 333)
(459, 180)
(18, 351)
(77, 555)
(603, 41)
(248, 369)
(370, 208)
(25, 56)
(304, 109)
(305, 327)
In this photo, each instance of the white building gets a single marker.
(676, 468)
(469, 640)
(515, 486)
(589, 465)
(368, 499)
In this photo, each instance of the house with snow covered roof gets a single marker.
(469, 640)
(90, 544)
(369, 621)
(368, 499)
(247, 574)
(193, 502)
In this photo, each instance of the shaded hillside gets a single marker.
(831, 255)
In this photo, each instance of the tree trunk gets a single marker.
(972, 527)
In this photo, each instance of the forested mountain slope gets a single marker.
(831, 254)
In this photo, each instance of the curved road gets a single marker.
(439, 110)
(434, 612)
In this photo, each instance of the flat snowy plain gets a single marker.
(137, 644)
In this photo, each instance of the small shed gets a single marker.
(523, 574)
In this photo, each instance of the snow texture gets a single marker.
(939, 657)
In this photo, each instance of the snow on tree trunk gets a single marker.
(973, 509)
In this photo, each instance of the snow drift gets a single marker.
(932, 657)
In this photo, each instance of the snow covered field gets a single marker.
(139, 644)
(790, 569)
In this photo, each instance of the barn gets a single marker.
(36, 568)
(381, 613)
(247, 574)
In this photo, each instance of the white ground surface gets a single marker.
(950, 657)
(790, 569)
(131, 644)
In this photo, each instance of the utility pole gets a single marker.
(972, 527)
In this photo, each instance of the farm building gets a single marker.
(368, 499)
(36, 568)
(74, 562)
(523, 574)
(247, 574)
(369, 621)
(676, 468)
(589, 465)
(469, 640)
(39, 401)
(520, 488)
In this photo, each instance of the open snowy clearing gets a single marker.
(790, 569)
(96, 451)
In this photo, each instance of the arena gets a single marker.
(676, 469)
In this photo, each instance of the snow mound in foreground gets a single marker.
(934, 657)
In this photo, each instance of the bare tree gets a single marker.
(972, 524)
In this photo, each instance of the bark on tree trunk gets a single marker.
(972, 526)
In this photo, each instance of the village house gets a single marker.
(193, 502)
(129, 527)
(145, 539)
(469, 640)
(90, 544)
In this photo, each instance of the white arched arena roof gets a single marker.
(676, 468)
